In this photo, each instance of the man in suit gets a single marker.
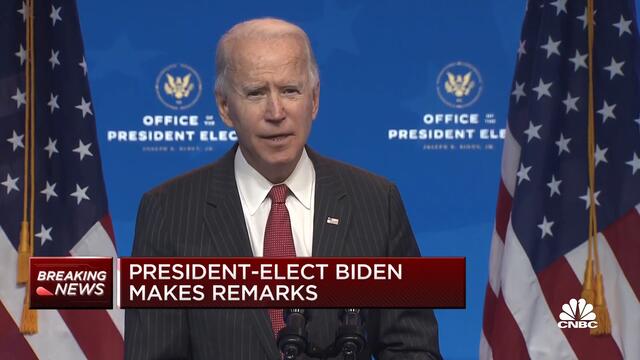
(267, 88)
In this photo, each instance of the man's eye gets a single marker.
(291, 91)
(255, 93)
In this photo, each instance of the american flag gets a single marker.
(71, 215)
(539, 245)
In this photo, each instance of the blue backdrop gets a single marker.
(395, 75)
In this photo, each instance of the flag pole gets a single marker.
(29, 319)
(593, 295)
(24, 249)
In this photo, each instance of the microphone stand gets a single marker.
(350, 336)
(292, 339)
(349, 341)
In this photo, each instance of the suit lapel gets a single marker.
(228, 233)
(332, 210)
(223, 213)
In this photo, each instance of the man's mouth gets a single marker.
(277, 138)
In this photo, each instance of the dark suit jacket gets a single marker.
(200, 214)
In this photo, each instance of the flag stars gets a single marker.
(11, 183)
(615, 68)
(584, 19)
(80, 194)
(551, 47)
(518, 92)
(634, 163)
(51, 147)
(53, 102)
(54, 58)
(85, 107)
(44, 234)
(83, 65)
(587, 198)
(542, 89)
(83, 150)
(561, 6)
(533, 131)
(637, 121)
(24, 11)
(49, 191)
(607, 111)
(600, 155)
(523, 173)
(16, 140)
(20, 98)
(563, 145)
(554, 186)
(545, 227)
(623, 26)
(55, 15)
(521, 49)
(579, 61)
(570, 103)
(22, 55)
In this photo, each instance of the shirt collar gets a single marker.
(254, 188)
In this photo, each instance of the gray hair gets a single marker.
(265, 28)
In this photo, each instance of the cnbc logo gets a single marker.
(577, 314)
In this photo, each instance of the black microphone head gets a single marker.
(351, 316)
(291, 311)
(295, 318)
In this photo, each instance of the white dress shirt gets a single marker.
(256, 204)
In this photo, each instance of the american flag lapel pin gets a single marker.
(333, 221)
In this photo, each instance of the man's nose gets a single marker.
(275, 110)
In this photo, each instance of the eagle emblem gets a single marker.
(459, 85)
(178, 87)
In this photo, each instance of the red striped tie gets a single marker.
(278, 240)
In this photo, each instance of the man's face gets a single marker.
(271, 103)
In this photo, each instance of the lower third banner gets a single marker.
(291, 282)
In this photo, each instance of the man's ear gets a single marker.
(315, 100)
(223, 108)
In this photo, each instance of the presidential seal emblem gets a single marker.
(459, 85)
(178, 86)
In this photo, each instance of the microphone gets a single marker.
(350, 338)
(292, 339)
